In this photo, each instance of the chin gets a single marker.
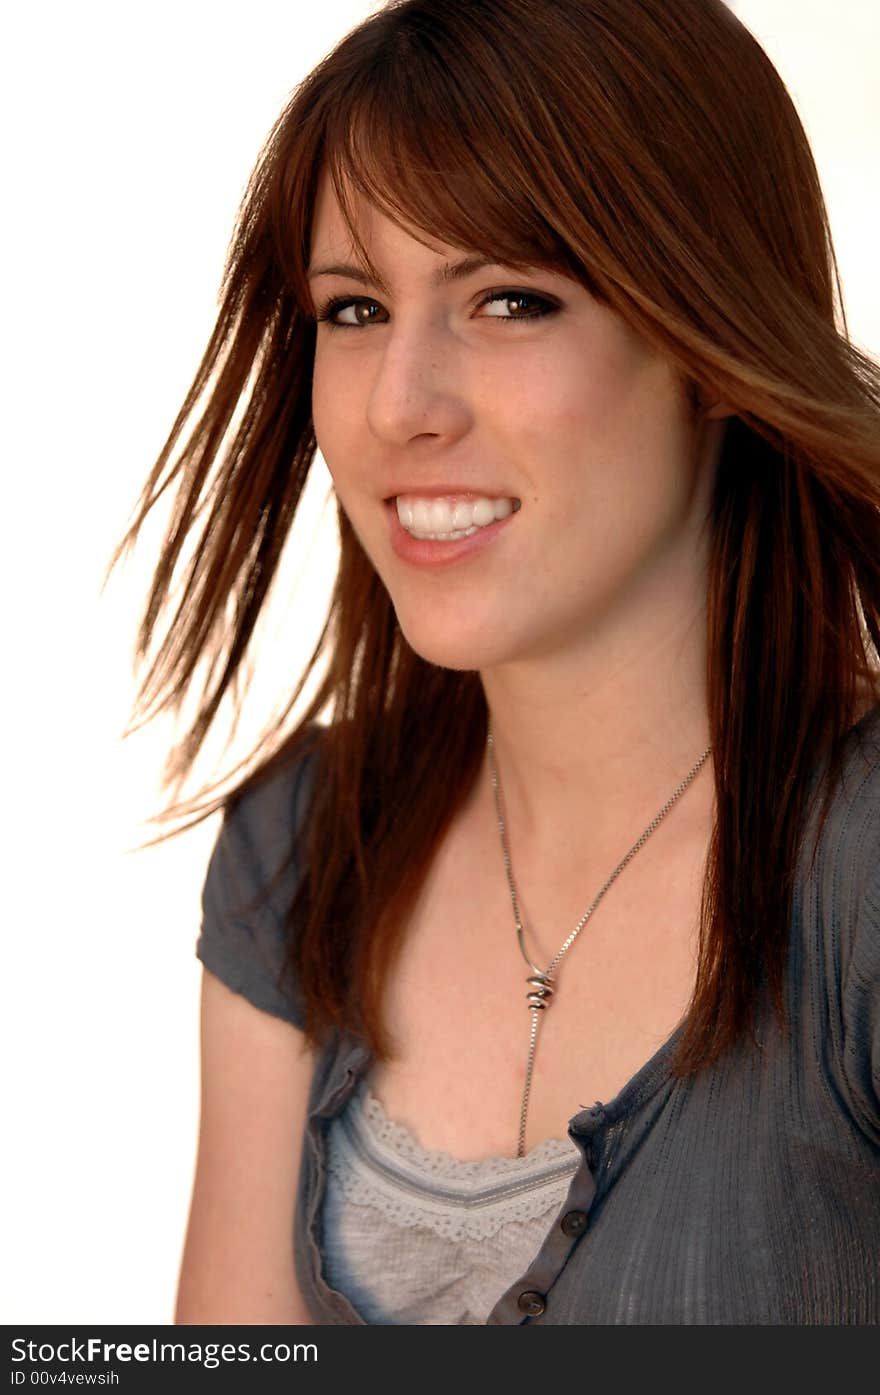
(465, 650)
(462, 657)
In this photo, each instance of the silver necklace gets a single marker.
(541, 981)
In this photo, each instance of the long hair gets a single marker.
(650, 151)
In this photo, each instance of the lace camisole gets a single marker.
(418, 1236)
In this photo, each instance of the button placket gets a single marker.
(532, 1303)
(588, 1130)
(530, 1297)
(574, 1223)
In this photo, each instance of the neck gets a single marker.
(590, 745)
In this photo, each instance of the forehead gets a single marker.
(377, 242)
(332, 233)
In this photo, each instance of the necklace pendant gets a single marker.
(541, 991)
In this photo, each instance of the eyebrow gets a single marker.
(450, 271)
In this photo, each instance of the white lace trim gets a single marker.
(377, 1163)
(397, 1138)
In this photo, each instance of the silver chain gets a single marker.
(541, 981)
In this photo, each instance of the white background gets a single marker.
(130, 132)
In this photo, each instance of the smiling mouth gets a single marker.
(446, 546)
(451, 517)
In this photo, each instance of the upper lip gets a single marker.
(439, 491)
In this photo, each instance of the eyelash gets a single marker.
(333, 306)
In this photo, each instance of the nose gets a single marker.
(419, 386)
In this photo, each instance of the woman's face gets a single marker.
(520, 391)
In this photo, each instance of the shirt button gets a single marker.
(574, 1223)
(531, 1303)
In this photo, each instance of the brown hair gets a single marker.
(652, 152)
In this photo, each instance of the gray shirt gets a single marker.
(749, 1194)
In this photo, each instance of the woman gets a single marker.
(603, 640)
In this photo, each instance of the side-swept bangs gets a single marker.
(447, 148)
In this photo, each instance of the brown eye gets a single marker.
(359, 310)
(518, 305)
(364, 311)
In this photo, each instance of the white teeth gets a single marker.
(440, 515)
(484, 512)
(447, 537)
(443, 520)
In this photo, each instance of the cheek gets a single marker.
(620, 401)
(583, 389)
(572, 427)
(322, 393)
(333, 418)
(612, 459)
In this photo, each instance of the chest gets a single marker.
(456, 999)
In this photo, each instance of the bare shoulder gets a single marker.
(237, 1264)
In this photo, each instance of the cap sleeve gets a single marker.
(249, 885)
